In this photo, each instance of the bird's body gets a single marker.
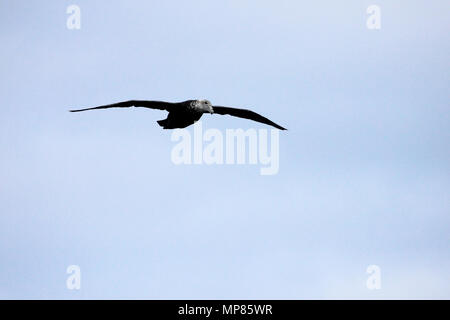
(182, 116)
(185, 113)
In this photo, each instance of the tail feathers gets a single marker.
(162, 123)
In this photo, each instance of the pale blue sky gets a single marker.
(364, 167)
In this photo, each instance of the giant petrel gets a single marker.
(183, 114)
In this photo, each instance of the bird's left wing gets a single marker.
(247, 114)
(161, 105)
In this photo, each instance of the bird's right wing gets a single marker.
(161, 105)
(246, 114)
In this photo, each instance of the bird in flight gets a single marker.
(183, 114)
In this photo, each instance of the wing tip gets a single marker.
(278, 126)
(79, 110)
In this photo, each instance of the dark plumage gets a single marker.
(183, 114)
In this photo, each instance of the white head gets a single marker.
(206, 106)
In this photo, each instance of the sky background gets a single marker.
(364, 172)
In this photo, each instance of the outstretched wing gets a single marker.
(161, 105)
(247, 114)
